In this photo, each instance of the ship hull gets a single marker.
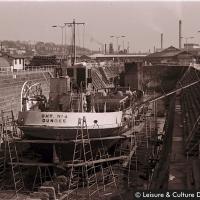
(60, 125)
(64, 152)
(55, 133)
(64, 127)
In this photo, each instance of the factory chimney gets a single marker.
(105, 49)
(161, 41)
(180, 34)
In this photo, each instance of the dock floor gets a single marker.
(11, 195)
(178, 161)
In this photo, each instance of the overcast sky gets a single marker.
(141, 22)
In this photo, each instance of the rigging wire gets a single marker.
(71, 45)
(65, 40)
(78, 33)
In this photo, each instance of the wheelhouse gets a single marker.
(80, 75)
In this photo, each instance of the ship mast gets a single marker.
(73, 24)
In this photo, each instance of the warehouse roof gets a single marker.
(168, 52)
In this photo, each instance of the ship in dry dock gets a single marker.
(75, 105)
(90, 137)
(76, 102)
(105, 110)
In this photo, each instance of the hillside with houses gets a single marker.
(27, 48)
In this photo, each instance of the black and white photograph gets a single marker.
(99, 100)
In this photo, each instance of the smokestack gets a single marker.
(105, 50)
(180, 33)
(111, 50)
(161, 41)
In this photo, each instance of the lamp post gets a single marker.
(117, 40)
(188, 38)
(128, 46)
(123, 36)
(112, 36)
(62, 27)
(62, 33)
(186, 41)
(112, 42)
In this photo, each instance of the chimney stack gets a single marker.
(105, 49)
(161, 42)
(180, 34)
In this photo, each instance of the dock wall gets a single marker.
(11, 85)
(155, 77)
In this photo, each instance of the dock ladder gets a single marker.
(2, 157)
(126, 169)
(75, 101)
(108, 176)
(85, 173)
(42, 175)
(9, 129)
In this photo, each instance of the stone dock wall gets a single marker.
(11, 85)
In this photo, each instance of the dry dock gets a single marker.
(110, 175)
(147, 157)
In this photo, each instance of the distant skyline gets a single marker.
(141, 22)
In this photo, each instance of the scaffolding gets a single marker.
(8, 135)
(96, 174)
(87, 171)
(42, 175)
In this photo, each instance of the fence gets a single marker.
(30, 69)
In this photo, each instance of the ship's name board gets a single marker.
(54, 118)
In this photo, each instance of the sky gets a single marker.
(140, 22)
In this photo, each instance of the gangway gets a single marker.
(154, 99)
